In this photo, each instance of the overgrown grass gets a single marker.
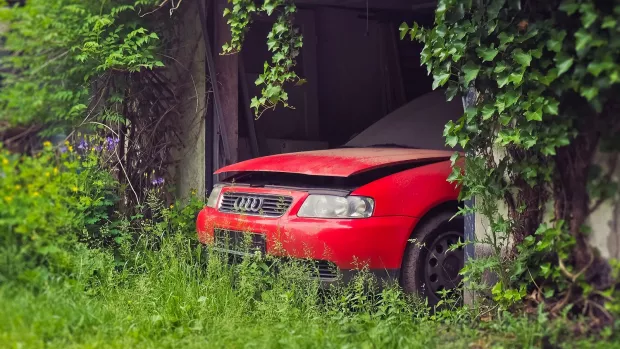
(179, 295)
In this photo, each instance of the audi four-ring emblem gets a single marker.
(248, 203)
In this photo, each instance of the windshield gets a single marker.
(418, 124)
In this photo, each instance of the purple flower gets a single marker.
(158, 181)
(111, 142)
(63, 149)
(83, 145)
(98, 148)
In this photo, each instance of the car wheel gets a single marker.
(428, 266)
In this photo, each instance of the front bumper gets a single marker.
(376, 243)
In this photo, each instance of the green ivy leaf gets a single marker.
(550, 292)
(403, 29)
(535, 115)
(552, 107)
(545, 269)
(487, 54)
(487, 111)
(255, 103)
(269, 7)
(503, 79)
(451, 91)
(470, 72)
(500, 104)
(454, 157)
(440, 79)
(570, 7)
(609, 22)
(494, 7)
(589, 92)
(511, 97)
(548, 150)
(588, 15)
(563, 63)
(552, 74)
(523, 58)
(516, 77)
(596, 68)
(455, 174)
(447, 129)
(505, 38)
(582, 40)
(470, 114)
(452, 141)
(500, 67)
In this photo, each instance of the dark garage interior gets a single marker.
(357, 71)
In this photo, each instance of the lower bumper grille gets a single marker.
(324, 270)
(239, 243)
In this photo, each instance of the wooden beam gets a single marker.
(227, 69)
(212, 74)
(401, 5)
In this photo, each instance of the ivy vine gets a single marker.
(284, 41)
(543, 79)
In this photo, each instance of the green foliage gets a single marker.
(183, 295)
(538, 78)
(162, 289)
(65, 49)
(51, 203)
(284, 41)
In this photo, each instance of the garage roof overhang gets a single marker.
(401, 5)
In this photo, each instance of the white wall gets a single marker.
(604, 221)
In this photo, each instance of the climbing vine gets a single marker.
(284, 41)
(541, 81)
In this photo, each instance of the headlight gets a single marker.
(329, 206)
(215, 194)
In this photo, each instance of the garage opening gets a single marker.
(358, 71)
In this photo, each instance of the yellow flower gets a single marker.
(35, 194)
(171, 206)
(18, 187)
(70, 148)
(67, 143)
(47, 174)
(8, 199)
(75, 189)
(5, 161)
(55, 170)
(47, 144)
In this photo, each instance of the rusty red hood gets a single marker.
(337, 162)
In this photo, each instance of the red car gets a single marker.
(385, 207)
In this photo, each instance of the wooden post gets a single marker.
(227, 68)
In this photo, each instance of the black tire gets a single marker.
(427, 265)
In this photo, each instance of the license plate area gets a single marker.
(239, 243)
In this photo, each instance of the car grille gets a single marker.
(238, 242)
(255, 204)
(324, 270)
